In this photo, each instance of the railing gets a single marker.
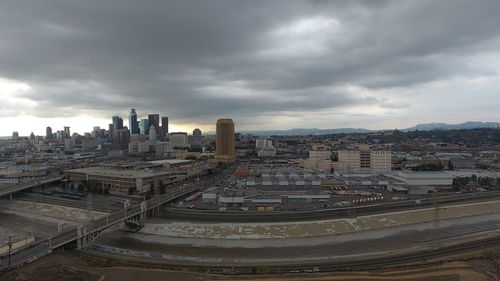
(25, 185)
(44, 247)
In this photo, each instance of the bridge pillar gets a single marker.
(144, 210)
(80, 237)
(10, 196)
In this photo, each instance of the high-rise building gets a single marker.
(117, 123)
(152, 134)
(224, 143)
(164, 126)
(154, 120)
(68, 144)
(96, 132)
(132, 122)
(179, 140)
(48, 133)
(88, 143)
(121, 139)
(144, 126)
(110, 131)
(67, 133)
(196, 140)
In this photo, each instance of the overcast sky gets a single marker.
(266, 64)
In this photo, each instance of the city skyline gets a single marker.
(279, 65)
(212, 128)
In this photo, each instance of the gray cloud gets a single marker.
(197, 60)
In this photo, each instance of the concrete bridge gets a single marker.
(82, 236)
(9, 190)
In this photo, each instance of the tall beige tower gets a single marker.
(224, 145)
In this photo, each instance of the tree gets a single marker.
(474, 178)
(428, 167)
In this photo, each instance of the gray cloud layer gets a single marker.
(198, 60)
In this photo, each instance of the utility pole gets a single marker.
(435, 234)
(89, 217)
(10, 247)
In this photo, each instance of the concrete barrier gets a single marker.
(18, 244)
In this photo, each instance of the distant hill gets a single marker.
(305, 132)
(419, 127)
(445, 126)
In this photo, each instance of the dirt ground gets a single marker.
(54, 267)
(65, 267)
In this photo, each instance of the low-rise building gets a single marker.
(120, 180)
(319, 159)
(425, 178)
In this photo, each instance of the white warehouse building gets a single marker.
(425, 178)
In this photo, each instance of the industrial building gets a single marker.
(127, 178)
(425, 178)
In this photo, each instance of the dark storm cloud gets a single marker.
(197, 60)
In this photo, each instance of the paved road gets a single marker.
(18, 187)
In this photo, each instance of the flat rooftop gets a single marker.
(170, 161)
(128, 174)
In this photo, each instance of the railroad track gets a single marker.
(322, 266)
(79, 204)
(215, 216)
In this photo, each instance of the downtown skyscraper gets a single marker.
(224, 143)
(132, 122)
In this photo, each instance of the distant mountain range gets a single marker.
(305, 132)
(314, 131)
(445, 126)
(419, 127)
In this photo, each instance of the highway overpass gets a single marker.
(84, 235)
(9, 190)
